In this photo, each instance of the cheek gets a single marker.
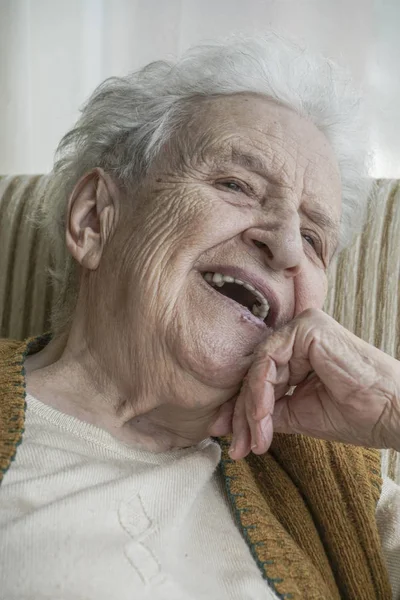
(311, 287)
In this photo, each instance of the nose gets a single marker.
(280, 245)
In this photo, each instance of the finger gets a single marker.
(257, 395)
(261, 435)
(258, 390)
(282, 418)
(240, 445)
(223, 422)
(289, 349)
(300, 411)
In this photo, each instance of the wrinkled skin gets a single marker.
(346, 390)
(154, 354)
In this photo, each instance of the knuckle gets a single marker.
(314, 314)
(266, 349)
(261, 353)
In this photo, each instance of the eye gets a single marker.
(310, 240)
(234, 186)
(314, 242)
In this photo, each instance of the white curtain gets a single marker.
(54, 52)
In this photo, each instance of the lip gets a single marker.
(254, 280)
(244, 312)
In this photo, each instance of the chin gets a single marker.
(217, 335)
(220, 354)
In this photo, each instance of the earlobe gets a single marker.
(91, 212)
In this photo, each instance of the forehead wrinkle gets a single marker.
(227, 151)
(230, 154)
(253, 162)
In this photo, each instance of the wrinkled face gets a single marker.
(231, 240)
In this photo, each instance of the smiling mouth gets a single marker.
(241, 292)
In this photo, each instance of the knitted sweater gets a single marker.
(306, 508)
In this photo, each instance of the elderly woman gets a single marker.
(201, 204)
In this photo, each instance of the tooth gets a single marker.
(262, 300)
(265, 312)
(260, 297)
(218, 280)
(249, 287)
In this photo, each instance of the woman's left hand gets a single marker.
(346, 390)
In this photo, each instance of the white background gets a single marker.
(54, 52)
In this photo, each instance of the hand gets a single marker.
(346, 390)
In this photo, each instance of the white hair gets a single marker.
(128, 119)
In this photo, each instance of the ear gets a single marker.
(91, 218)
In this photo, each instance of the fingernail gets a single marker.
(253, 433)
(233, 445)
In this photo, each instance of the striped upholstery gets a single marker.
(364, 293)
(25, 291)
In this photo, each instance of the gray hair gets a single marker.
(127, 120)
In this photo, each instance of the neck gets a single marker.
(66, 376)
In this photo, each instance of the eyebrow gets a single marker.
(253, 162)
(320, 217)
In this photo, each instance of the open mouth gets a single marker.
(241, 292)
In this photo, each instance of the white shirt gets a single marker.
(86, 517)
